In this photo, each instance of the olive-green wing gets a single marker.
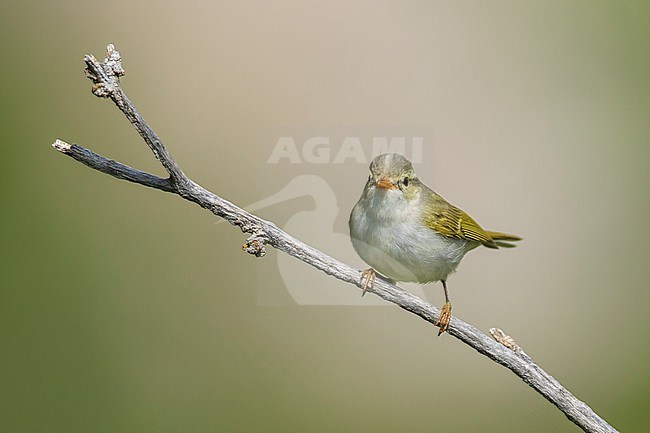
(452, 222)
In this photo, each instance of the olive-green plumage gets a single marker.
(446, 219)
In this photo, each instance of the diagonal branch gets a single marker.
(105, 76)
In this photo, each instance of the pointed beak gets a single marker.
(384, 184)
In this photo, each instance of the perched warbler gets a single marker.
(408, 233)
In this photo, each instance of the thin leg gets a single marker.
(444, 286)
(445, 312)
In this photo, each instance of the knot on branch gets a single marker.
(505, 339)
(256, 244)
(105, 75)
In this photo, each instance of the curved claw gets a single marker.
(443, 318)
(367, 280)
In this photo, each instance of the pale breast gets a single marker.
(400, 247)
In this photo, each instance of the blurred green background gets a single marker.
(125, 309)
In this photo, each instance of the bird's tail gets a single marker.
(503, 239)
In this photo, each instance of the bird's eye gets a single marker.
(405, 182)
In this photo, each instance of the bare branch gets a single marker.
(105, 77)
(114, 168)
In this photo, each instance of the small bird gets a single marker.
(408, 233)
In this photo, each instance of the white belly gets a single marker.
(397, 245)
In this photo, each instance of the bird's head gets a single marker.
(391, 173)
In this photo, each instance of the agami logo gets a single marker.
(323, 150)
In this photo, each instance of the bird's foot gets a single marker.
(443, 318)
(367, 280)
